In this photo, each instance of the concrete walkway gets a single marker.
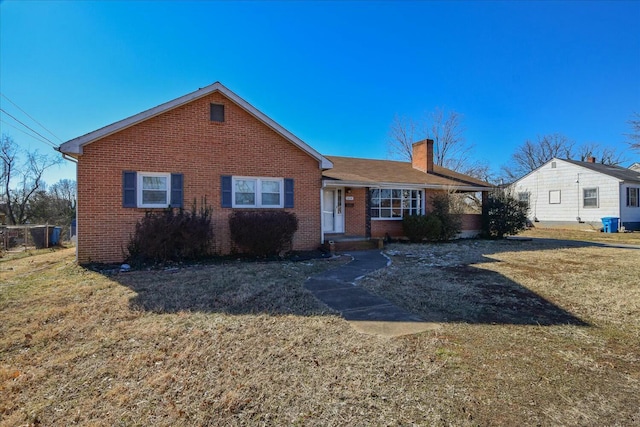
(366, 312)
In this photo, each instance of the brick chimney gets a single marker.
(422, 156)
(591, 159)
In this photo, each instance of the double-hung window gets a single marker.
(633, 197)
(249, 192)
(153, 190)
(523, 197)
(590, 197)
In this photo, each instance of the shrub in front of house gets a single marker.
(262, 233)
(448, 214)
(503, 215)
(421, 227)
(172, 235)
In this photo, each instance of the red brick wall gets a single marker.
(184, 140)
(380, 227)
(355, 216)
(471, 222)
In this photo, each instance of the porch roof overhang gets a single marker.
(332, 183)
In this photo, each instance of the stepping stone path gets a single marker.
(366, 312)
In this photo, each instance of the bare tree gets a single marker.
(450, 149)
(66, 190)
(479, 169)
(634, 136)
(604, 155)
(402, 134)
(533, 154)
(447, 132)
(21, 181)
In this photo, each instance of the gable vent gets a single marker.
(217, 113)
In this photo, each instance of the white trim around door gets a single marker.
(332, 210)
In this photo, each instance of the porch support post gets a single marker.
(485, 201)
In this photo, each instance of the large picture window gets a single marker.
(395, 203)
(249, 192)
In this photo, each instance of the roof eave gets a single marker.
(333, 182)
(74, 146)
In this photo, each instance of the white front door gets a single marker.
(333, 210)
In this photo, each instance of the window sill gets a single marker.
(257, 207)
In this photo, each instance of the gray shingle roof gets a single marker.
(627, 175)
(372, 171)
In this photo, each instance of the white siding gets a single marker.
(570, 180)
(628, 214)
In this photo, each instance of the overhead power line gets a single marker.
(26, 133)
(52, 144)
(28, 115)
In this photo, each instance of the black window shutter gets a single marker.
(129, 189)
(226, 191)
(177, 185)
(288, 192)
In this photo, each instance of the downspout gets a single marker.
(578, 197)
(72, 160)
(535, 203)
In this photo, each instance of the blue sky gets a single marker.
(333, 73)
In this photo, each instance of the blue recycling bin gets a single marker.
(55, 236)
(610, 224)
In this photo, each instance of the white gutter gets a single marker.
(396, 185)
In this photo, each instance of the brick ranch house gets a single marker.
(211, 143)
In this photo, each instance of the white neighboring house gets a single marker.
(569, 192)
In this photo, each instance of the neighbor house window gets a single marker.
(523, 197)
(590, 197)
(395, 203)
(216, 113)
(249, 192)
(554, 197)
(633, 197)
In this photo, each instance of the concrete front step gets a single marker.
(342, 244)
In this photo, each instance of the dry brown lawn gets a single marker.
(534, 333)
(588, 235)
